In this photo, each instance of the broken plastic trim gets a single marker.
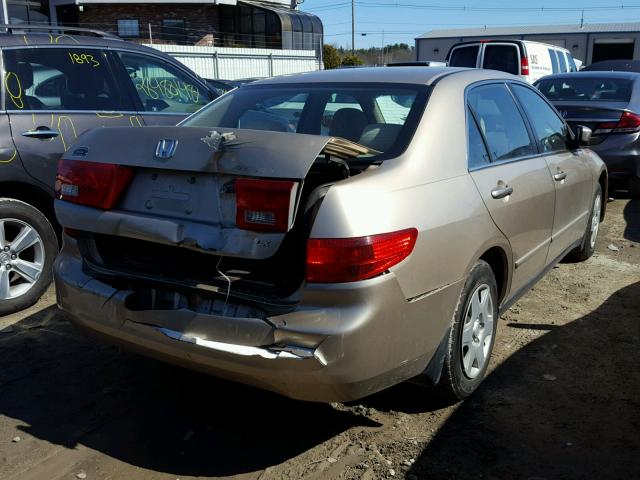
(288, 352)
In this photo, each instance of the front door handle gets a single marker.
(41, 133)
(558, 177)
(501, 192)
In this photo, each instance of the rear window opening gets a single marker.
(586, 89)
(382, 117)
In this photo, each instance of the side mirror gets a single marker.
(582, 136)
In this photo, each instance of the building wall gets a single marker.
(579, 44)
(235, 63)
(200, 20)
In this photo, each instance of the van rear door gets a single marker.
(465, 55)
(504, 57)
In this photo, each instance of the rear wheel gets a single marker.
(588, 245)
(28, 246)
(472, 334)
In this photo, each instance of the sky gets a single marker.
(400, 21)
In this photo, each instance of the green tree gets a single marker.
(351, 60)
(330, 56)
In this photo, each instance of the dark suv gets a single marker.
(57, 83)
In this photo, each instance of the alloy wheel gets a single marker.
(595, 220)
(21, 258)
(477, 331)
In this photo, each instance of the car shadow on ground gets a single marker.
(632, 217)
(585, 374)
(69, 390)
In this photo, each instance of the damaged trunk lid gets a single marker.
(226, 191)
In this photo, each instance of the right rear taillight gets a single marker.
(265, 205)
(335, 260)
(629, 123)
(98, 185)
(524, 66)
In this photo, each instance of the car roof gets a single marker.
(26, 38)
(406, 75)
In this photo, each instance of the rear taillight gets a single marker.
(332, 260)
(93, 184)
(524, 66)
(264, 205)
(628, 123)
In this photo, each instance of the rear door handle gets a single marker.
(501, 192)
(41, 133)
(558, 177)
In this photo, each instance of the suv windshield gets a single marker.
(382, 117)
(584, 89)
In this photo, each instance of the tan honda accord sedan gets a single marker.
(330, 234)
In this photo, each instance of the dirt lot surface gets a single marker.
(562, 400)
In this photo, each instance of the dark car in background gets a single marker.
(609, 104)
(614, 66)
(55, 87)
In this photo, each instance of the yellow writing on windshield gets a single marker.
(168, 88)
(84, 59)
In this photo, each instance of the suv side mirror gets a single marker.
(582, 136)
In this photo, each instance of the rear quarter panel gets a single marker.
(428, 188)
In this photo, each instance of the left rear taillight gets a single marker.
(336, 260)
(524, 66)
(265, 205)
(98, 185)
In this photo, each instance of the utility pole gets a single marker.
(382, 50)
(353, 27)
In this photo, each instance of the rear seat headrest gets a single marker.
(380, 136)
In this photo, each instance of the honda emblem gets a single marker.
(166, 148)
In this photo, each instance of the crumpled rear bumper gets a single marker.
(343, 341)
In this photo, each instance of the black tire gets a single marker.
(18, 210)
(586, 249)
(454, 383)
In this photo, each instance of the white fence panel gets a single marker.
(234, 63)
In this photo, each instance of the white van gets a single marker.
(530, 60)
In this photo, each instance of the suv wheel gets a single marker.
(28, 247)
(472, 334)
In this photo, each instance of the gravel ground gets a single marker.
(562, 400)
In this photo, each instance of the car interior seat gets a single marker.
(24, 71)
(87, 93)
(380, 136)
(348, 123)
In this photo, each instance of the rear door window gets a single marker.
(500, 122)
(478, 155)
(162, 87)
(501, 57)
(60, 79)
(571, 63)
(555, 66)
(464, 56)
(550, 131)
